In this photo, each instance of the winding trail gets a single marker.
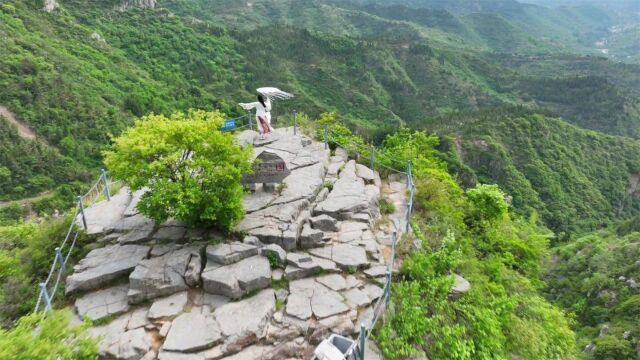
(24, 131)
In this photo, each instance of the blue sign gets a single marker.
(229, 125)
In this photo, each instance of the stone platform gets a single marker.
(307, 260)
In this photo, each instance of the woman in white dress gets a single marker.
(263, 107)
(263, 113)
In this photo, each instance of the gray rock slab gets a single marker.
(325, 303)
(376, 271)
(135, 222)
(162, 275)
(136, 236)
(334, 282)
(302, 183)
(303, 264)
(168, 307)
(138, 318)
(299, 306)
(192, 332)
(275, 251)
(102, 303)
(170, 233)
(373, 291)
(365, 173)
(345, 256)
(133, 204)
(356, 298)
(324, 223)
(247, 317)
(226, 254)
(237, 279)
(101, 217)
(133, 344)
(245, 137)
(103, 265)
(460, 285)
(310, 237)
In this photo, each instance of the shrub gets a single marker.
(52, 337)
(192, 170)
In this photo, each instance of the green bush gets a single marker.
(35, 338)
(191, 169)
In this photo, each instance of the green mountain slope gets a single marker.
(575, 179)
(82, 72)
(596, 278)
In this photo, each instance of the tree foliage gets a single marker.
(191, 169)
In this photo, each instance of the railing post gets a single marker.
(409, 181)
(81, 208)
(250, 120)
(373, 157)
(105, 180)
(387, 288)
(394, 240)
(60, 258)
(362, 338)
(326, 137)
(45, 294)
(408, 217)
(295, 123)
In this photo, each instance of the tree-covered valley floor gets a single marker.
(556, 131)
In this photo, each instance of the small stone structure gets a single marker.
(179, 293)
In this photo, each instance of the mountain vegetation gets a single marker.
(541, 99)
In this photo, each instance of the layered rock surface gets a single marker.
(310, 264)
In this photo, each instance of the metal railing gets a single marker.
(232, 124)
(58, 270)
(383, 301)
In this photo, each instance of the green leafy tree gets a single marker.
(192, 170)
(488, 202)
(52, 337)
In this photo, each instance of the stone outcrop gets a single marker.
(103, 265)
(50, 5)
(216, 303)
(348, 196)
(162, 275)
(192, 332)
(237, 279)
(103, 303)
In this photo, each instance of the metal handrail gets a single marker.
(383, 301)
(60, 261)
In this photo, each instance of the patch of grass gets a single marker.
(386, 207)
(280, 284)
(274, 262)
(328, 185)
(279, 304)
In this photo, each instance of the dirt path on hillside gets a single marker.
(24, 131)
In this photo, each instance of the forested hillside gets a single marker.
(575, 179)
(542, 100)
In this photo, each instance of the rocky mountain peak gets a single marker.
(50, 5)
(138, 4)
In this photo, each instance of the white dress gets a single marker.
(263, 115)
